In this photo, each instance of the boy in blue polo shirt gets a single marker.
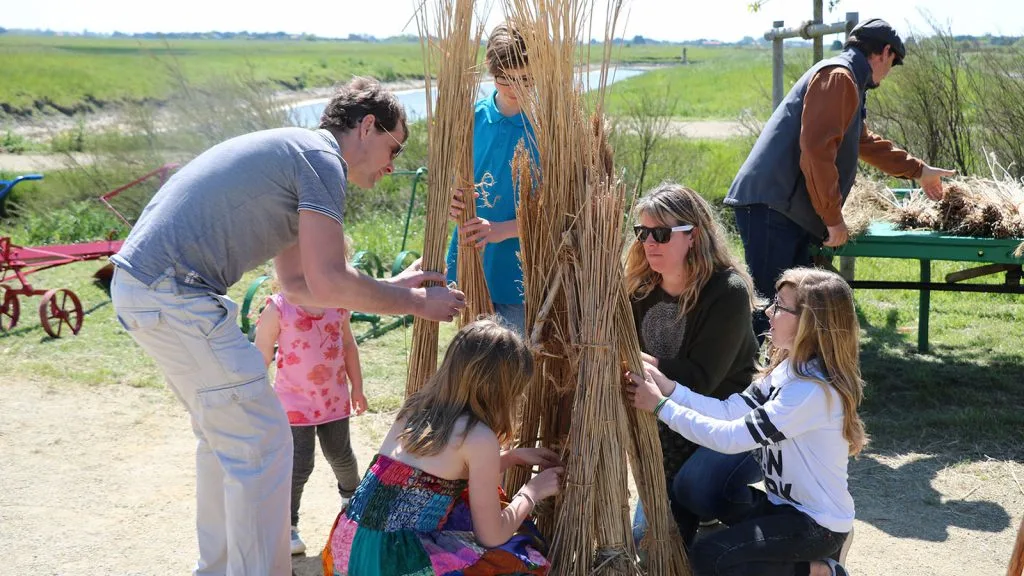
(499, 125)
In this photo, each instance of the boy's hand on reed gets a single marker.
(931, 180)
(648, 359)
(458, 205)
(359, 404)
(479, 232)
(546, 484)
(642, 391)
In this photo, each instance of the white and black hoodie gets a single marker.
(795, 423)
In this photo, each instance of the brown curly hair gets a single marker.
(361, 97)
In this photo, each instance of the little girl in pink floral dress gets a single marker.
(317, 360)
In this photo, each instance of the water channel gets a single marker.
(415, 100)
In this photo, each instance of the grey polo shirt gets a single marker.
(234, 207)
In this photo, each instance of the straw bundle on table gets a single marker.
(869, 201)
(983, 208)
(979, 207)
(570, 216)
(450, 43)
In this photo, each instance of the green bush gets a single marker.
(707, 166)
(12, 143)
(80, 221)
(926, 105)
(71, 140)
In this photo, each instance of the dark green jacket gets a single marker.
(714, 355)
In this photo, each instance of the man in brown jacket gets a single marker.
(791, 188)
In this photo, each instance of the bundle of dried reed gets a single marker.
(527, 213)
(548, 187)
(470, 273)
(450, 42)
(979, 207)
(570, 217)
(662, 543)
(869, 201)
(593, 534)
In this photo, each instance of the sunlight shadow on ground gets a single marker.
(901, 500)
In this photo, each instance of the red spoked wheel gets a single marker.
(10, 309)
(59, 311)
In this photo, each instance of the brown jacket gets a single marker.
(830, 103)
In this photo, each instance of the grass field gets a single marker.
(717, 83)
(71, 74)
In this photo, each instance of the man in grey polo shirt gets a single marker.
(271, 194)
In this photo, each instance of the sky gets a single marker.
(673, 20)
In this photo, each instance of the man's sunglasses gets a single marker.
(661, 234)
(395, 152)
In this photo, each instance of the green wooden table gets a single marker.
(883, 241)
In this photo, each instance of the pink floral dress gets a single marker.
(311, 381)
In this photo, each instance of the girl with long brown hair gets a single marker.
(429, 503)
(801, 415)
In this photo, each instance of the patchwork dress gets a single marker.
(403, 521)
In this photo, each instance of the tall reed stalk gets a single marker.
(450, 41)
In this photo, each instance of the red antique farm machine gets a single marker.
(60, 310)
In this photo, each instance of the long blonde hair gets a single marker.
(671, 204)
(482, 377)
(827, 333)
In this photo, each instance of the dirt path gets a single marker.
(707, 129)
(99, 480)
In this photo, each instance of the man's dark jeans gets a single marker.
(772, 244)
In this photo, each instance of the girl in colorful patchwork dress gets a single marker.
(317, 360)
(430, 502)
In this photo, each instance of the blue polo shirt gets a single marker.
(495, 137)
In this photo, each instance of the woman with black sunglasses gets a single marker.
(692, 302)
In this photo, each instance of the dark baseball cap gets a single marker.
(879, 30)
